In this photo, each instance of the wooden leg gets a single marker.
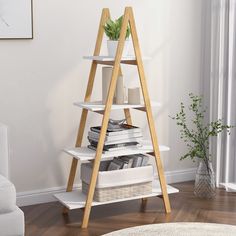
(105, 15)
(149, 112)
(105, 120)
(143, 205)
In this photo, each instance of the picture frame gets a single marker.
(16, 19)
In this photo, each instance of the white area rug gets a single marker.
(178, 229)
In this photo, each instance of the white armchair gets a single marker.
(11, 217)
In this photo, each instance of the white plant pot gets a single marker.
(112, 46)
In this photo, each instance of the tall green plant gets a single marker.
(113, 28)
(197, 137)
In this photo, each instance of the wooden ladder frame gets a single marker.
(128, 19)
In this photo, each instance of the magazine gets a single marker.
(120, 141)
(124, 129)
(95, 136)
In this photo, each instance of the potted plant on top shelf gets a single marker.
(197, 141)
(112, 30)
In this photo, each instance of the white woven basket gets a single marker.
(113, 193)
(116, 184)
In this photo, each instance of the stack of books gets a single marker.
(117, 138)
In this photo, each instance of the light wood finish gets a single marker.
(104, 17)
(128, 116)
(105, 120)
(128, 18)
(148, 110)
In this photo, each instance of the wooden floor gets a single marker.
(47, 220)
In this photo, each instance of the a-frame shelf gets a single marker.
(98, 106)
(76, 199)
(72, 200)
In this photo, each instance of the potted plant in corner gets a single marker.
(197, 141)
(112, 30)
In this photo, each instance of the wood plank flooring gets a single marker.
(47, 219)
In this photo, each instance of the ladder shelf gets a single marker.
(76, 199)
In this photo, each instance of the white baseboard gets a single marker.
(39, 196)
(177, 176)
(46, 195)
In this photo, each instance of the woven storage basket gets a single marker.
(126, 191)
(116, 184)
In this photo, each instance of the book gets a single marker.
(127, 160)
(128, 140)
(137, 161)
(114, 147)
(110, 148)
(113, 166)
(140, 160)
(124, 129)
(145, 160)
(125, 165)
(95, 136)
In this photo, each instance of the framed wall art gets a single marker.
(16, 19)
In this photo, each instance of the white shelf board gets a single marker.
(86, 154)
(98, 106)
(108, 58)
(76, 199)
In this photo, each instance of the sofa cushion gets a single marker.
(12, 223)
(7, 195)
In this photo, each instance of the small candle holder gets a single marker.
(134, 96)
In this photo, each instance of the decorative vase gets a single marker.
(205, 186)
(106, 80)
(120, 90)
(112, 46)
(134, 96)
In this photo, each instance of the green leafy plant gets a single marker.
(113, 28)
(197, 137)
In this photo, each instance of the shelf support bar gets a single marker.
(126, 110)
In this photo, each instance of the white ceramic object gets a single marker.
(115, 178)
(120, 98)
(112, 46)
(134, 96)
(106, 79)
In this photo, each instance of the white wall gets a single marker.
(41, 78)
